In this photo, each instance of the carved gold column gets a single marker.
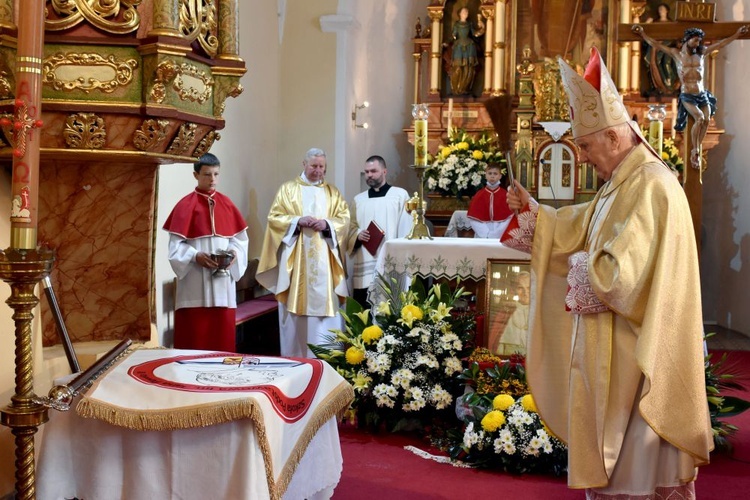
(623, 75)
(436, 15)
(166, 20)
(500, 47)
(6, 14)
(229, 30)
(489, 15)
(23, 265)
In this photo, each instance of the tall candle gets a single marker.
(27, 117)
(655, 135)
(420, 112)
(450, 116)
(674, 117)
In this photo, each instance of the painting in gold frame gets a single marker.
(507, 297)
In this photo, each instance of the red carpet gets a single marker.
(376, 466)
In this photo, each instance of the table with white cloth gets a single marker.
(167, 423)
(458, 223)
(440, 258)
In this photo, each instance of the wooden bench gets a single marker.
(256, 319)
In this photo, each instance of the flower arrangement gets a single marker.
(718, 379)
(458, 167)
(403, 359)
(503, 428)
(670, 153)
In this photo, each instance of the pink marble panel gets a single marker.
(98, 216)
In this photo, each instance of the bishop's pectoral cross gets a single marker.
(691, 70)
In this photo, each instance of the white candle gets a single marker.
(674, 117)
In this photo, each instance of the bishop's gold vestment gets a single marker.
(587, 372)
(313, 266)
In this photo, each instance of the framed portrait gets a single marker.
(506, 309)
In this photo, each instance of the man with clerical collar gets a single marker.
(615, 348)
(303, 260)
(202, 226)
(381, 208)
(488, 212)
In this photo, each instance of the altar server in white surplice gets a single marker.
(302, 261)
(386, 206)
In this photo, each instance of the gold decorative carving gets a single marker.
(112, 16)
(151, 134)
(85, 131)
(198, 22)
(205, 145)
(183, 140)
(225, 87)
(191, 83)
(164, 74)
(87, 72)
(551, 100)
(6, 86)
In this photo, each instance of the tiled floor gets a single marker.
(726, 339)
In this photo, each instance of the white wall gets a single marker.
(725, 262)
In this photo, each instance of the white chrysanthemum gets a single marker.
(402, 378)
(505, 436)
(509, 448)
(452, 365)
(547, 448)
(440, 397)
(498, 445)
(531, 451)
(536, 443)
(476, 179)
(431, 183)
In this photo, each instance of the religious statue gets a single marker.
(661, 67)
(694, 98)
(464, 58)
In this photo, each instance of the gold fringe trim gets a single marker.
(335, 404)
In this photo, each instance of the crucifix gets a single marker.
(694, 26)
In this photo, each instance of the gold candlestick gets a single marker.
(416, 205)
(24, 264)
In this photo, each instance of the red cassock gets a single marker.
(489, 205)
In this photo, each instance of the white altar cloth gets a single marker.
(198, 421)
(93, 460)
(448, 258)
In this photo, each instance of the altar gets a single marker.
(440, 258)
(168, 423)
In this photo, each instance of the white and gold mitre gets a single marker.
(595, 103)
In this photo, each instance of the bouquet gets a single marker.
(403, 358)
(458, 167)
(503, 429)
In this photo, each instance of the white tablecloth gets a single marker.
(449, 258)
(93, 460)
(459, 222)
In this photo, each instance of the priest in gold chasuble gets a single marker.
(302, 260)
(615, 347)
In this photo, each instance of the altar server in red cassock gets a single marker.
(203, 223)
(488, 213)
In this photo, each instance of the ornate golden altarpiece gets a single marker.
(517, 49)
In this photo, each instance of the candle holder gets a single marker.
(656, 114)
(417, 205)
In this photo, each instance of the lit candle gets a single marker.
(450, 116)
(420, 112)
(656, 113)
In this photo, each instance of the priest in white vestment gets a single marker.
(386, 206)
(619, 376)
(302, 261)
